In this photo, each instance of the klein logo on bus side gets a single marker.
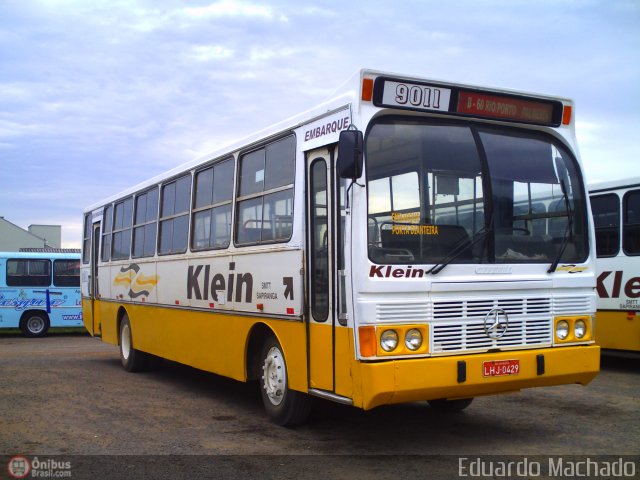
(203, 284)
(631, 287)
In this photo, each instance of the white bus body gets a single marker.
(616, 212)
(367, 269)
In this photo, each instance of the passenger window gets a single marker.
(106, 233)
(631, 227)
(28, 273)
(86, 239)
(145, 225)
(606, 219)
(174, 216)
(212, 207)
(66, 273)
(265, 201)
(122, 217)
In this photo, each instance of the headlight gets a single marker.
(413, 339)
(562, 329)
(580, 329)
(389, 340)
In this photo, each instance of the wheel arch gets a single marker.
(119, 316)
(27, 313)
(257, 336)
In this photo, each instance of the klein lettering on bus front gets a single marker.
(382, 271)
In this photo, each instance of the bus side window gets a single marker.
(606, 219)
(66, 273)
(631, 227)
(28, 273)
(265, 193)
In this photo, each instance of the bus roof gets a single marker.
(622, 183)
(40, 255)
(349, 93)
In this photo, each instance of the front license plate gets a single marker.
(499, 368)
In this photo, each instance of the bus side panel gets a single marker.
(618, 330)
(345, 355)
(211, 341)
(65, 308)
(10, 309)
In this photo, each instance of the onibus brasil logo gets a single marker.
(21, 467)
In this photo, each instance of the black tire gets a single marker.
(284, 406)
(132, 360)
(444, 405)
(35, 324)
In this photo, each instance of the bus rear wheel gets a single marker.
(444, 405)
(35, 324)
(284, 406)
(132, 360)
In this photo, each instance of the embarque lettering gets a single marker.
(329, 127)
(203, 284)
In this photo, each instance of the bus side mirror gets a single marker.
(350, 154)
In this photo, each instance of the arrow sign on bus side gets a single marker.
(288, 287)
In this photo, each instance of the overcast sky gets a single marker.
(98, 95)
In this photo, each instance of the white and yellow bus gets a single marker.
(616, 216)
(384, 247)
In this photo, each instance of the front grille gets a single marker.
(458, 326)
(409, 312)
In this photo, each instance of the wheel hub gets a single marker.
(274, 376)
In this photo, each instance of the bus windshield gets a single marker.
(484, 194)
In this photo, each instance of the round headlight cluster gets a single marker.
(580, 329)
(572, 329)
(562, 329)
(413, 339)
(389, 340)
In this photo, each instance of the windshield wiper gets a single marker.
(567, 232)
(459, 248)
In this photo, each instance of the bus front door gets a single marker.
(329, 345)
(92, 324)
(321, 322)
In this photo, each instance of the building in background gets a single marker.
(13, 238)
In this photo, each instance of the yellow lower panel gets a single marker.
(209, 341)
(87, 315)
(618, 330)
(345, 362)
(321, 356)
(400, 381)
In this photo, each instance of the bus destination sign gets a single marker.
(395, 93)
(494, 106)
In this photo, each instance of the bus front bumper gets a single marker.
(462, 376)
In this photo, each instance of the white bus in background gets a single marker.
(381, 248)
(616, 216)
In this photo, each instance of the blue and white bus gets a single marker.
(39, 291)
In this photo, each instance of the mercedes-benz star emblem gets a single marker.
(496, 323)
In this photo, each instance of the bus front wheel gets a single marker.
(132, 360)
(284, 406)
(35, 324)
